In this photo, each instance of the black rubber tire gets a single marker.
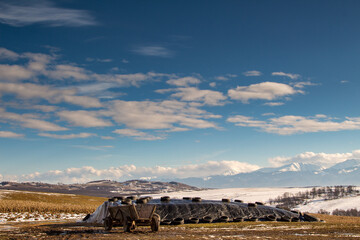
(223, 219)
(126, 201)
(193, 220)
(132, 197)
(238, 219)
(253, 219)
(186, 198)
(285, 219)
(108, 224)
(271, 218)
(207, 219)
(260, 203)
(142, 201)
(155, 223)
(252, 205)
(165, 222)
(120, 198)
(196, 199)
(225, 200)
(238, 200)
(178, 221)
(165, 199)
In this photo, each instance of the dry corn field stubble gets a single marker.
(16, 205)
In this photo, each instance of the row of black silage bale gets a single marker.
(217, 209)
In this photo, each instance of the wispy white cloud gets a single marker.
(14, 72)
(225, 77)
(321, 159)
(287, 125)
(184, 82)
(221, 78)
(62, 71)
(43, 12)
(8, 54)
(67, 136)
(83, 118)
(252, 73)
(273, 104)
(95, 148)
(212, 84)
(154, 51)
(289, 75)
(265, 91)
(302, 84)
(159, 115)
(7, 134)
(126, 172)
(102, 60)
(107, 137)
(134, 79)
(29, 121)
(35, 91)
(139, 135)
(208, 97)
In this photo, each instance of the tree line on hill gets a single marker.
(289, 200)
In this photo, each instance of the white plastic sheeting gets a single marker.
(101, 212)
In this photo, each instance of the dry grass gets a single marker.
(335, 228)
(15, 201)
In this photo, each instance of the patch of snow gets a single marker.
(30, 217)
(347, 171)
(345, 203)
(245, 194)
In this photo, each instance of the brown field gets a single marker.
(21, 202)
(334, 227)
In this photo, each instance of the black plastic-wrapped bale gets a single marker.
(186, 209)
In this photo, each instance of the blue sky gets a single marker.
(159, 89)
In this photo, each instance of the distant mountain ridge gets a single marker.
(290, 175)
(102, 188)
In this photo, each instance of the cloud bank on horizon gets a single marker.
(211, 168)
(157, 99)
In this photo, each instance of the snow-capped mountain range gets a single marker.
(291, 175)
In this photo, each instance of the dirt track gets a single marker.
(333, 228)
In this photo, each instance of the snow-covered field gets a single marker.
(30, 217)
(330, 205)
(245, 194)
(264, 194)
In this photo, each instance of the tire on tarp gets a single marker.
(196, 199)
(207, 219)
(165, 199)
(223, 219)
(193, 220)
(165, 222)
(178, 221)
(238, 219)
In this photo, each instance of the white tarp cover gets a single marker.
(101, 212)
